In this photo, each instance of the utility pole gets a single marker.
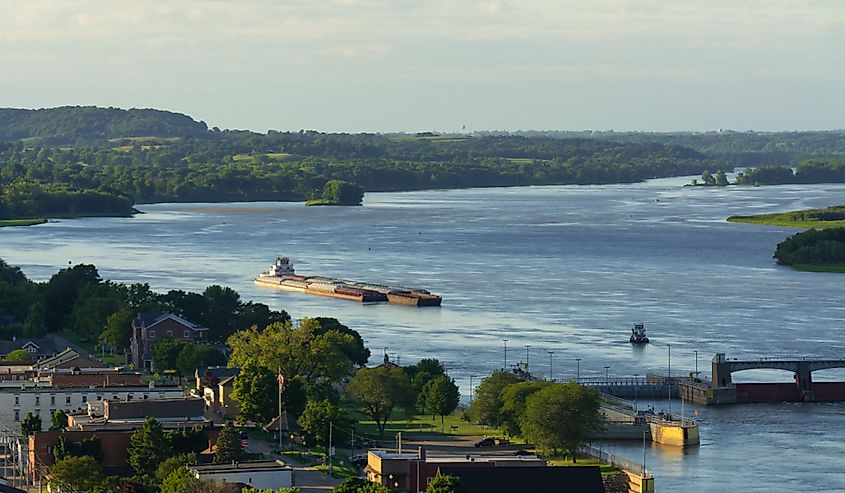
(551, 373)
(527, 347)
(696, 362)
(506, 354)
(331, 449)
(578, 370)
(606, 379)
(279, 419)
(470, 388)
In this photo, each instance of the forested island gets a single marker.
(88, 160)
(819, 249)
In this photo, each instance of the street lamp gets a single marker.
(470, 388)
(505, 341)
(606, 379)
(636, 384)
(669, 379)
(696, 362)
(551, 374)
(578, 370)
(527, 347)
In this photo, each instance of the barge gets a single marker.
(281, 275)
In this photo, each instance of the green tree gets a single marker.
(561, 417)
(19, 356)
(256, 390)
(487, 401)
(441, 397)
(307, 350)
(446, 484)
(118, 329)
(708, 179)
(315, 420)
(148, 447)
(358, 485)
(165, 353)
(340, 192)
(58, 420)
(172, 463)
(30, 424)
(721, 180)
(180, 480)
(75, 474)
(228, 445)
(514, 397)
(380, 390)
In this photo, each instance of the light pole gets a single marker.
(551, 374)
(606, 379)
(577, 370)
(506, 354)
(470, 388)
(527, 347)
(669, 380)
(636, 384)
(696, 362)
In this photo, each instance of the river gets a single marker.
(565, 269)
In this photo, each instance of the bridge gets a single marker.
(721, 389)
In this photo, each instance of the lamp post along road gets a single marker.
(505, 341)
(527, 347)
(606, 379)
(578, 370)
(551, 373)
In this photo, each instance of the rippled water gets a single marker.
(566, 269)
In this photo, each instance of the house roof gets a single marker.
(67, 356)
(151, 319)
(576, 479)
(181, 407)
(43, 346)
(288, 423)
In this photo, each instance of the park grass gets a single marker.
(313, 202)
(452, 425)
(4, 223)
(831, 217)
(606, 469)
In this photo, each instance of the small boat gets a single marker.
(638, 334)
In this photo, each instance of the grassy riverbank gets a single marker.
(840, 268)
(21, 222)
(830, 217)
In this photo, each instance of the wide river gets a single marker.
(564, 269)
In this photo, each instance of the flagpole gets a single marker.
(279, 419)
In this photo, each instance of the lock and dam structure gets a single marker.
(720, 388)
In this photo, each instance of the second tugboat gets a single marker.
(281, 275)
(638, 334)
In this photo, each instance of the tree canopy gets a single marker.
(561, 416)
(380, 390)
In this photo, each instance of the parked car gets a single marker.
(502, 441)
(358, 460)
(485, 442)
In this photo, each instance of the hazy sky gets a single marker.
(385, 65)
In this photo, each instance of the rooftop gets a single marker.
(388, 455)
(263, 465)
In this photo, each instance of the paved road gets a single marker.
(310, 480)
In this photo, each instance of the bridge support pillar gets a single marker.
(804, 380)
(721, 371)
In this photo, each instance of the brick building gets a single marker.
(149, 328)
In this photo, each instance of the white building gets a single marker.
(16, 402)
(266, 474)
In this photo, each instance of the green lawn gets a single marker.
(454, 425)
(606, 469)
(22, 222)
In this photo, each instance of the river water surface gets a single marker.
(564, 269)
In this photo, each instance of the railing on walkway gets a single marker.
(626, 465)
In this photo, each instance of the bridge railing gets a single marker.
(622, 463)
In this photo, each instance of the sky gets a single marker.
(436, 65)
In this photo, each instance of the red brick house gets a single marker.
(148, 328)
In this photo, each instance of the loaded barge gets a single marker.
(281, 275)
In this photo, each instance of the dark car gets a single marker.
(359, 460)
(485, 442)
